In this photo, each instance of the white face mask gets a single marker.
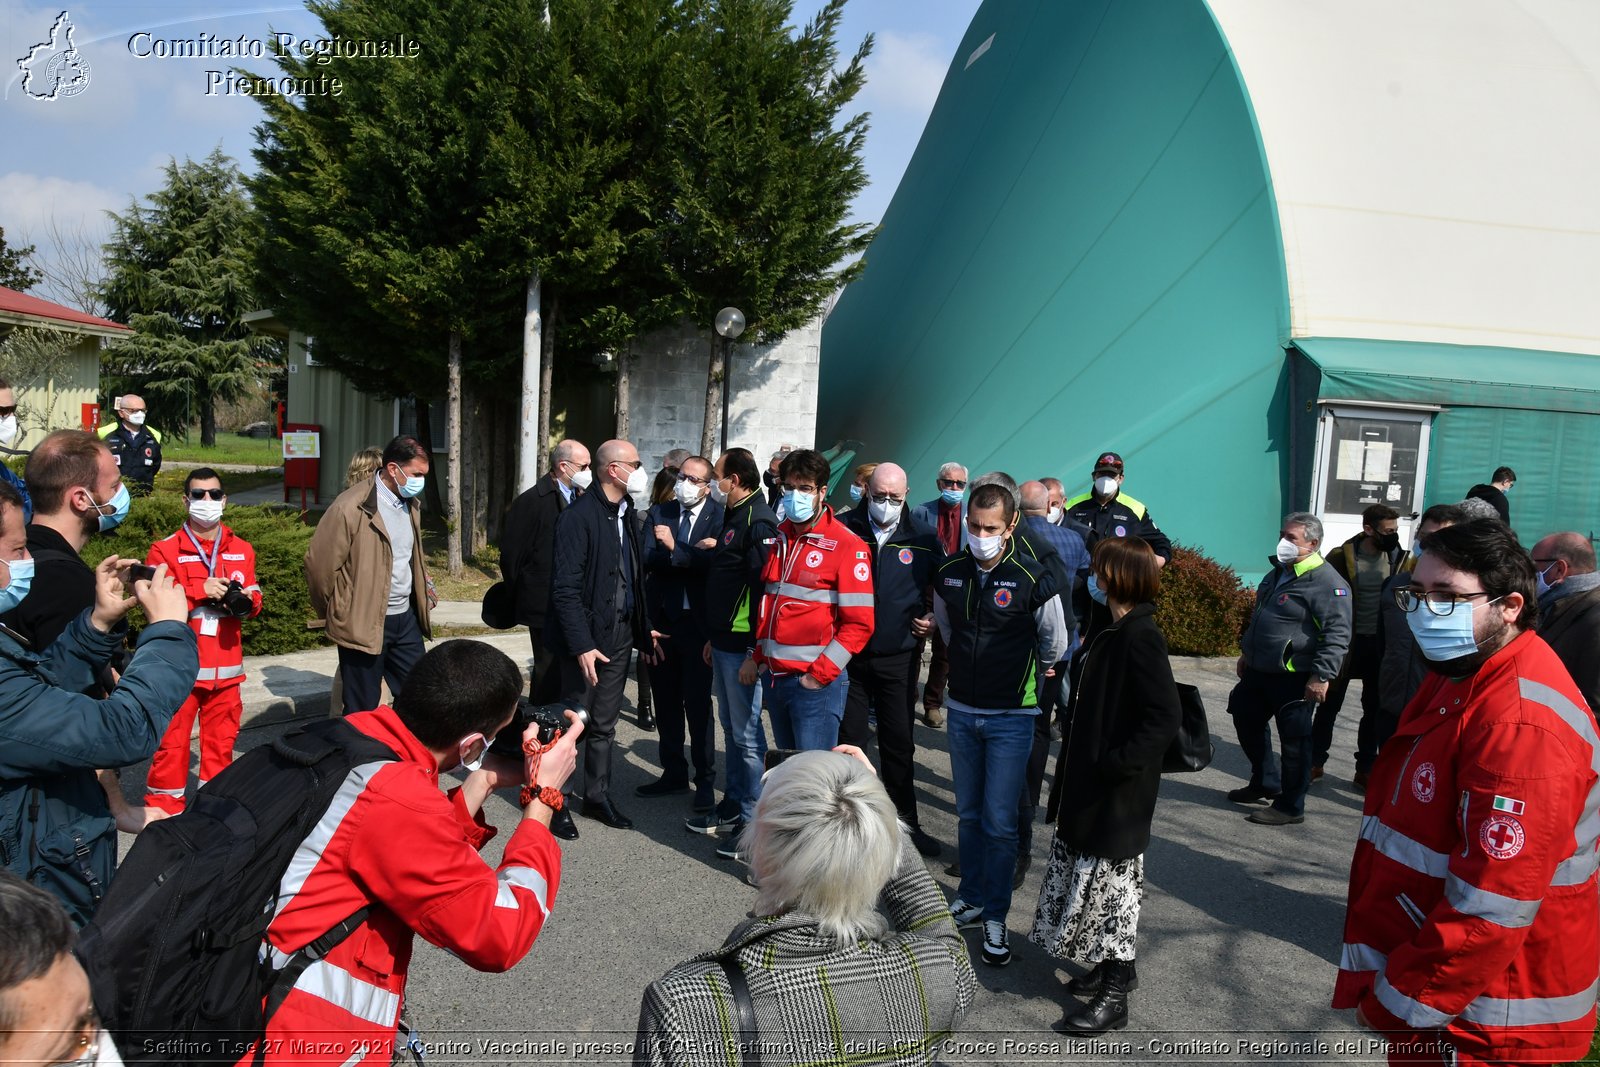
(1288, 552)
(582, 479)
(638, 481)
(206, 512)
(476, 763)
(986, 548)
(1105, 485)
(135, 418)
(716, 492)
(8, 430)
(886, 513)
(1053, 516)
(688, 494)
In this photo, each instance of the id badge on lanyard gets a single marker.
(209, 620)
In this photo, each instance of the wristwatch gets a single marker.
(547, 795)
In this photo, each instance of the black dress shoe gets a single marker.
(562, 826)
(647, 720)
(606, 812)
(1250, 794)
(661, 787)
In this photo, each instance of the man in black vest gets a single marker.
(137, 447)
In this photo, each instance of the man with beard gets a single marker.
(1471, 933)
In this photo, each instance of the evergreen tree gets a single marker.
(178, 273)
(15, 270)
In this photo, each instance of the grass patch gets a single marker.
(171, 481)
(230, 448)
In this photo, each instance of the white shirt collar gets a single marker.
(387, 495)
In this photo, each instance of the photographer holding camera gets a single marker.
(217, 570)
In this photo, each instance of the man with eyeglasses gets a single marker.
(527, 552)
(903, 554)
(947, 515)
(1403, 667)
(1291, 651)
(9, 432)
(47, 1015)
(1569, 607)
(681, 542)
(217, 570)
(137, 447)
(816, 611)
(1472, 931)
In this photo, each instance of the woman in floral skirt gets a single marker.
(1124, 715)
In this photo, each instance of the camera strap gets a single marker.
(216, 550)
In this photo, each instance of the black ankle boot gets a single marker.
(1089, 984)
(1109, 1008)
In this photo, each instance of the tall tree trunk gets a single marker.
(430, 491)
(716, 378)
(624, 364)
(208, 419)
(546, 369)
(452, 421)
(506, 444)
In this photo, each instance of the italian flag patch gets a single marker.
(1509, 806)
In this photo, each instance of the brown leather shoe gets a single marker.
(1359, 782)
(1316, 772)
(934, 717)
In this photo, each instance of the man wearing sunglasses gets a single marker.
(1472, 932)
(136, 446)
(217, 570)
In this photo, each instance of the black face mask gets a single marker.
(1387, 542)
(770, 478)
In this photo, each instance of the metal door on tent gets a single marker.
(1369, 455)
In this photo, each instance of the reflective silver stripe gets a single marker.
(310, 851)
(527, 878)
(855, 600)
(1413, 1013)
(837, 654)
(794, 653)
(802, 592)
(252, 589)
(362, 999)
(1402, 849)
(1501, 910)
(1531, 1011)
(164, 792)
(1361, 958)
(219, 674)
(1582, 864)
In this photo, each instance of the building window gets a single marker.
(405, 421)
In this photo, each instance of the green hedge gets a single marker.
(1203, 607)
(280, 541)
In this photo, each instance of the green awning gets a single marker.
(1412, 372)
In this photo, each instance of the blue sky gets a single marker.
(70, 160)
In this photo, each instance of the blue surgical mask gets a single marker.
(119, 509)
(950, 496)
(412, 485)
(1444, 637)
(856, 493)
(21, 582)
(799, 507)
(1096, 594)
(1541, 583)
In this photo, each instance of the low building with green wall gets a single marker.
(1279, 254)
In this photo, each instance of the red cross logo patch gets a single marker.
(905, 556)
(1425, 783)
(237, 576)
(1002, 597)
(813, 559)
(1501, 836)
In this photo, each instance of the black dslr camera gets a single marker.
(234, 600)
(548, 717)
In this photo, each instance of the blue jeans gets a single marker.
(989, 761)
(739, 708)
(806, 718)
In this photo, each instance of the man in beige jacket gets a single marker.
(368, 583)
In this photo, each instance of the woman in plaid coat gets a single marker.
(831, 979)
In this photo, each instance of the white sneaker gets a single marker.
(966, 915)
(996, 947)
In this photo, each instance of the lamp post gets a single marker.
(729, 325)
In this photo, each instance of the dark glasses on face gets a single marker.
(202, 494)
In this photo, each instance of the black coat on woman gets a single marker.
(1124, 715)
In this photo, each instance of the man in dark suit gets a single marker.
(680, 539)
(527, 549)
(946, 515)
(598, 614)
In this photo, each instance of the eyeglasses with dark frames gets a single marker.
(1439, 602)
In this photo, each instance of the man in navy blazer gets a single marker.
(946, 516)
(680, 539)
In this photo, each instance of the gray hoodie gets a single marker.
(1302, 620)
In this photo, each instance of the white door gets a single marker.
(1369, 454)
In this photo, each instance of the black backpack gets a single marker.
(173, 951)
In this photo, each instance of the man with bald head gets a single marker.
(1569, 607)
(137, 447)
(1055, 507)
(527, 554)
(903, 553)
(597, 616)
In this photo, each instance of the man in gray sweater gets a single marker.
(1291, 650)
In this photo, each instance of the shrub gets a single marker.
(280, 541)
(1203, 607)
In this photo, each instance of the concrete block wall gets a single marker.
(773, 399)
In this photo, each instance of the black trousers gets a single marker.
(681, 688)
(884, 683)
(365, 673)
(604, 703)
(1050, 692)
(1363, 662)
(544, 681)
(1259, 700)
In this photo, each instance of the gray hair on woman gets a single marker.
(824, 842)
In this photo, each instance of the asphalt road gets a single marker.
(1238, 937)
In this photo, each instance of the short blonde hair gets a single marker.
(363, 466)
(824, 842)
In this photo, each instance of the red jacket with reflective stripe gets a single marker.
(393, 842)
(221, 652)
(1473, 906)
(817, 609)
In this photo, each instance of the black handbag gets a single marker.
(1192, 749)
(499, 607)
